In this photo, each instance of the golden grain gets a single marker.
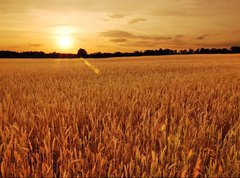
(172, 116)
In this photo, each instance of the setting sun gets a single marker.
(65, 42)
(64, 37)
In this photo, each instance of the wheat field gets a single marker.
(169, 116)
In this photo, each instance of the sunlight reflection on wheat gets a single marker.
(91, 66)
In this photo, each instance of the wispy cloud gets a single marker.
(116, 16)
(201, 37)
(119, 40)
(136, 20)
(35, 45)
(221, 44)
(102, 46)
(128, 35)
(176, 13)
(153, 44)
(142, 44)
(179, 36)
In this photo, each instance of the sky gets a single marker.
(118, 25)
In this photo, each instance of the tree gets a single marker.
(82, 53)
(190, 51)
(235, 49)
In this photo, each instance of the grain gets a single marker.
(173, 116)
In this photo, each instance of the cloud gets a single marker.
(176, 13)
(179, 36)
(119, 40)
(127, 35)
(152, 44)
(143, 44)
(201, 37)
(178, 40)
(235, 32)
(21, 46)
(221, 44)
(35, 45)
(116, 16)
(14, 46)
(102, 46)
(199, 8)
(219, 5)
(133, 21)
(117, 34)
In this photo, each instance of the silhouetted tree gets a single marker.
(82, 53)
(137, 53)
(117, 54)
(235, 49)
(183, 52)
(190, 51)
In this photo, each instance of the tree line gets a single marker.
(34, 54)
(83, 53)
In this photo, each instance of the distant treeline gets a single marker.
(34, 54)
(83, 53)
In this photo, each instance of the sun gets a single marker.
(64, 37)
(65, 42)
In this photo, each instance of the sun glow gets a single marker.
(64, 37)
(65, 42)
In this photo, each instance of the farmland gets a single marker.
(148, 116)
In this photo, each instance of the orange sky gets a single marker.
(123, 25)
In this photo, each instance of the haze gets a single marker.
(107, 25)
